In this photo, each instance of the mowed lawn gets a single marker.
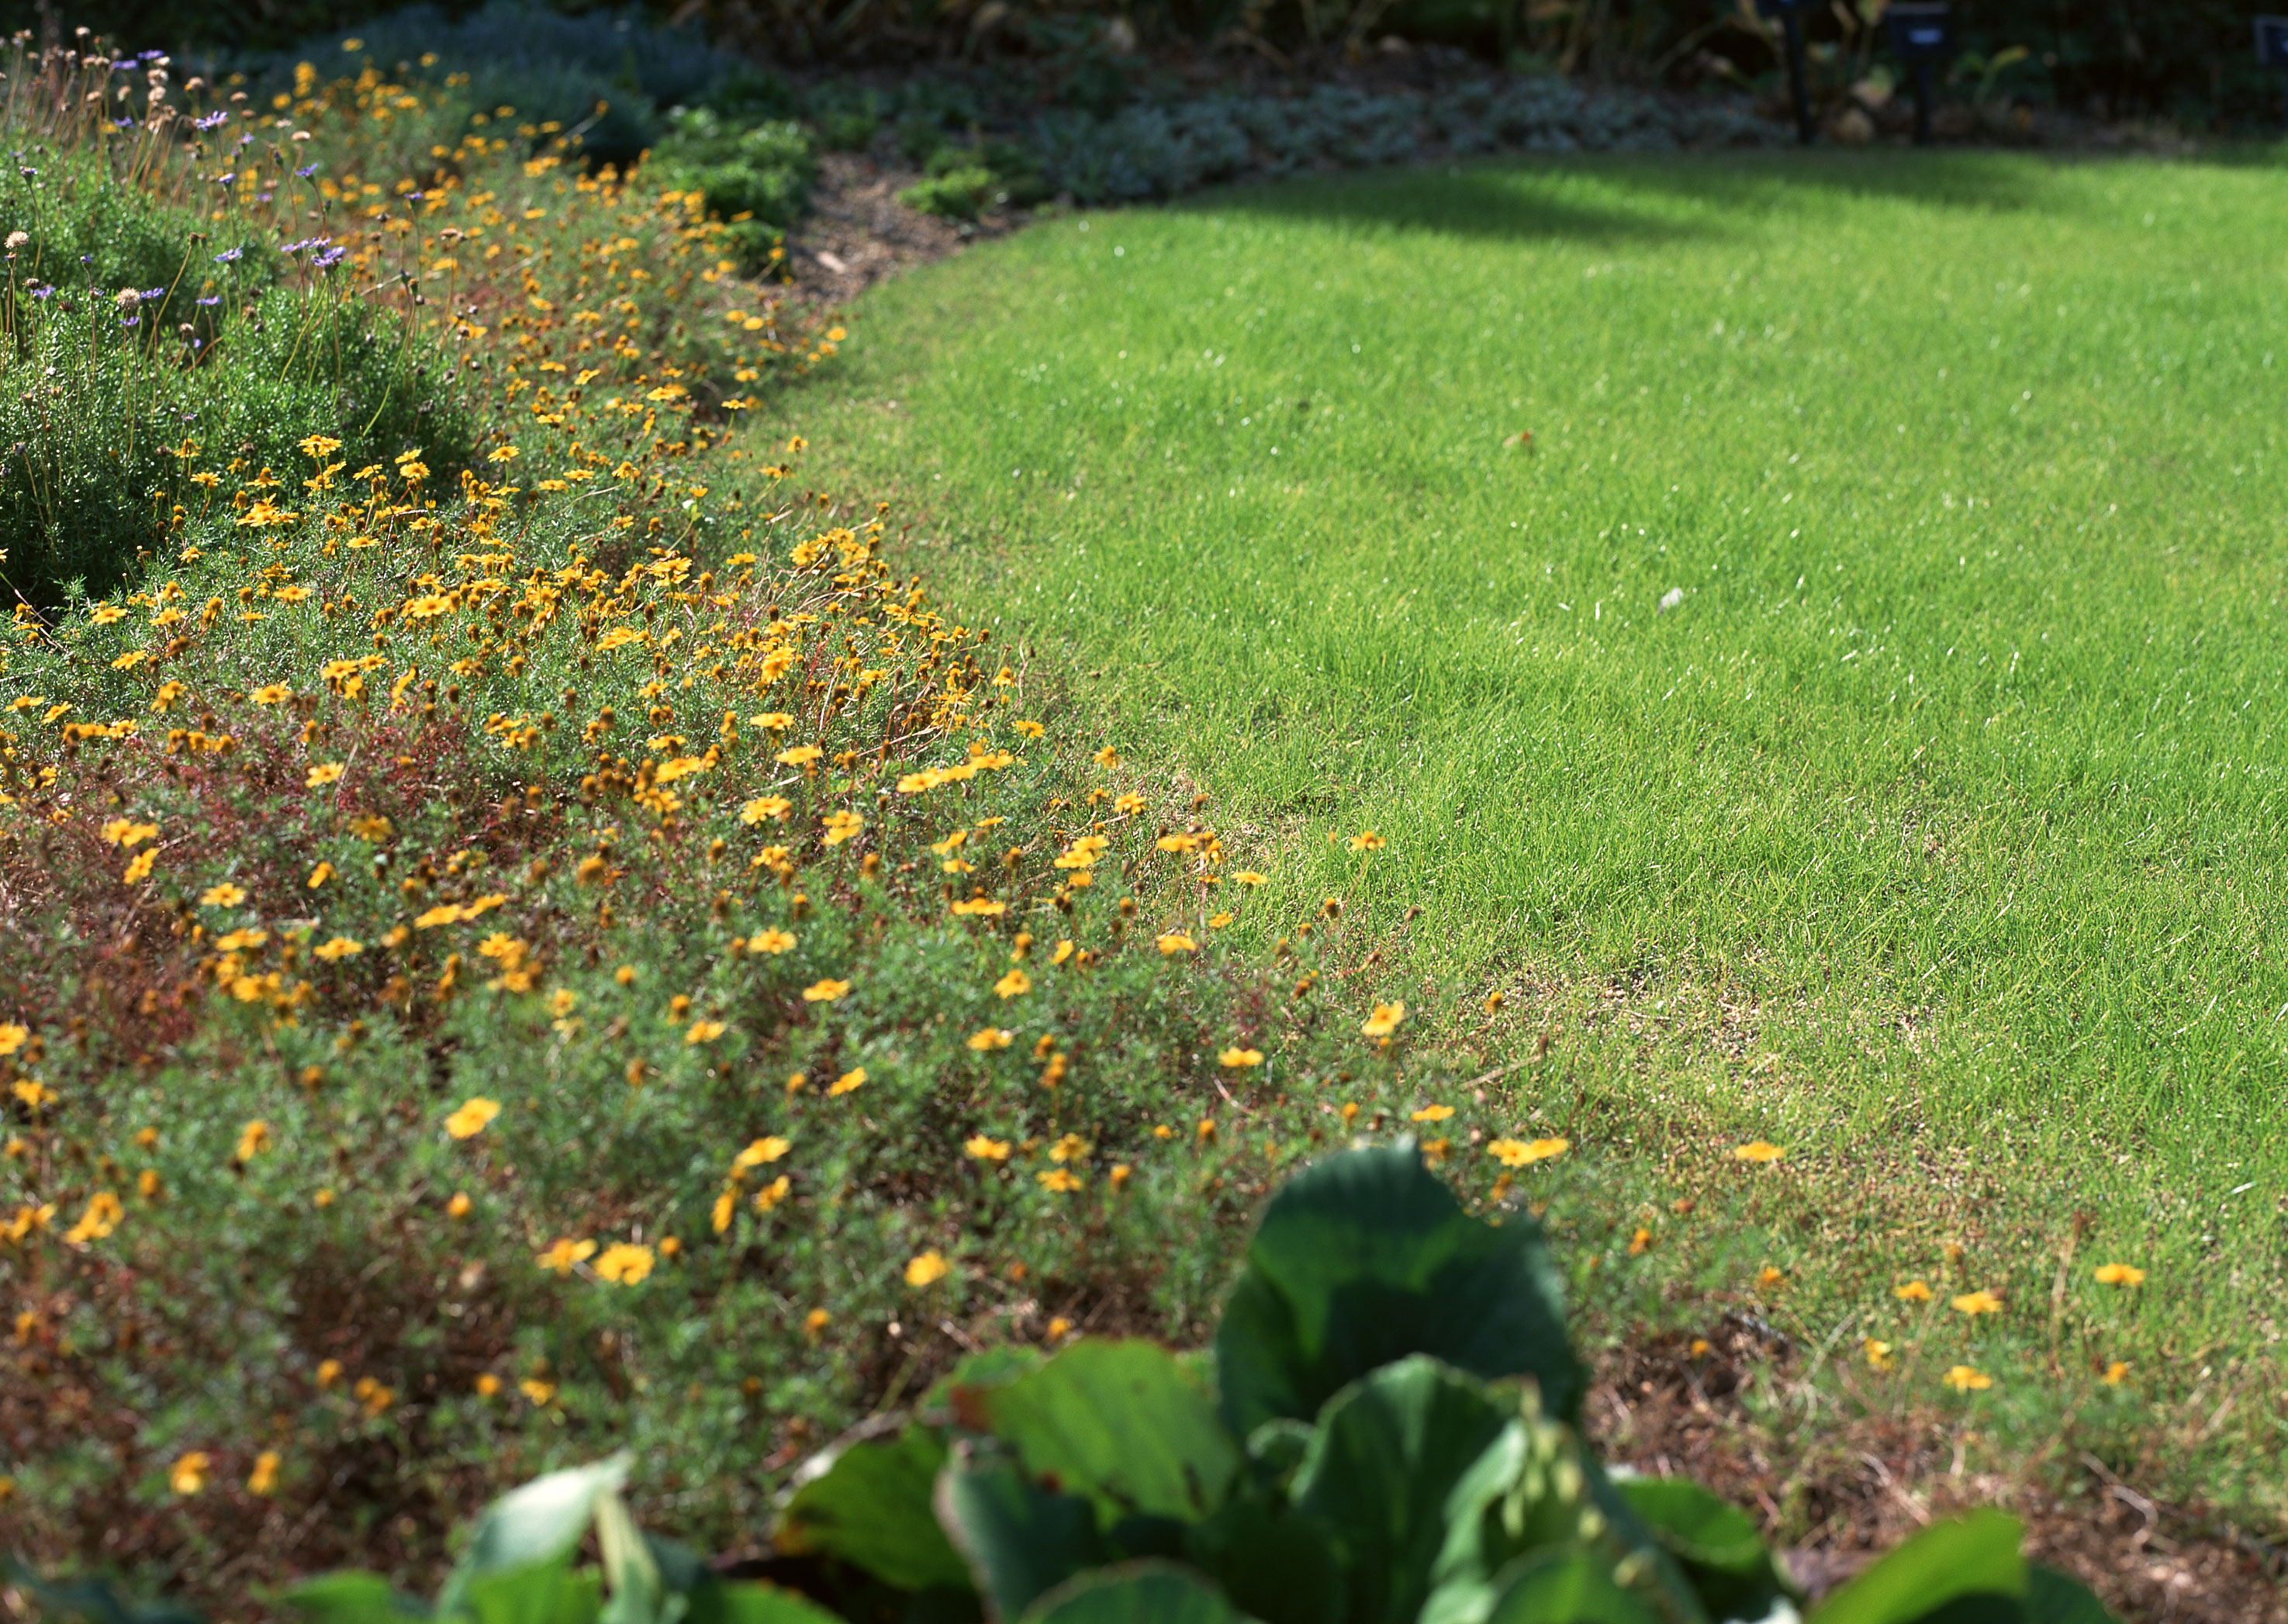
(1936, 831)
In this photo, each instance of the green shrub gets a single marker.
(97, 403)
(1392, 1437)
(961, 182)
(758, 180)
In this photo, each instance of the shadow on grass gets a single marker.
(1642, 200)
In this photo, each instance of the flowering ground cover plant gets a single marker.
(535, 937)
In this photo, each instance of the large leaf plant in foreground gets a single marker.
(1388, 1438)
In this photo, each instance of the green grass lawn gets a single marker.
(1935, 834)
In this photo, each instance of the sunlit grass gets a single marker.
(1935, 833)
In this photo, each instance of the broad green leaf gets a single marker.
(744, 1603)
(2053, 1598)
(1120, 1422)
(1274, 1565)
(1969, 1557)
(639, 1594)
(1724, 1558)
(1567, 1587)
(540, 1593)
(1020, 1540)
(872, 1509)
(537, 1524)
(1135, 1593)
(1389, 1450)
(1365, 1257)
(988, 1368)
(352, 1598)
(1696, 1524)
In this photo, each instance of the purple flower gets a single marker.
(121, 68)
(413, 197)
(305, 171)
(332, 257)
(224, 179)
(212, 120)
(209, 301)
(154, 293)
(134, 321)
(44, 293)
(228, 255)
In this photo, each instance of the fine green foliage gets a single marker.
(1100, 1485)
(1927, 836)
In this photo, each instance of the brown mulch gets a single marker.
(859, 234)
(1837, 1488)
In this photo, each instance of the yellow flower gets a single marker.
(263, 1479)
(849, 1083)
(13, 1037)
(841, 825)
(1968, 1379)
(540, 1392)
(443, 914)
(703, 1032)
(188, 1475)
(1367, 840)
(990, 1039)
(225, 895)
(1216, 922)
(824, 992)
(2120, 1274)
(271, 694)
(1247, 876)
(1384, 1020)
(2116, 1373)
(815, 1321)
(1432, 1113)
(1976, 1302)
(1520, 1153)
(1239, 1058)
(253, 1139)
(772, 941)
(127, 832)
(340, 948)
(926, 1269)
(325, 773)
(564, 1253)
(765, 806)
(459, 1207)
(979, 1148)
(471, 1118)
(624, 1264)
(139, 869)
(800, 756)
(1014, 983)
(1759, 1150)
(1057, 1180)
(1913, 1291)
(1176, 941)
(320, 875)
(1879, 1353)
(329, 1372)
(762, 1152)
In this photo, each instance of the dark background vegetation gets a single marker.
(2188, 60)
